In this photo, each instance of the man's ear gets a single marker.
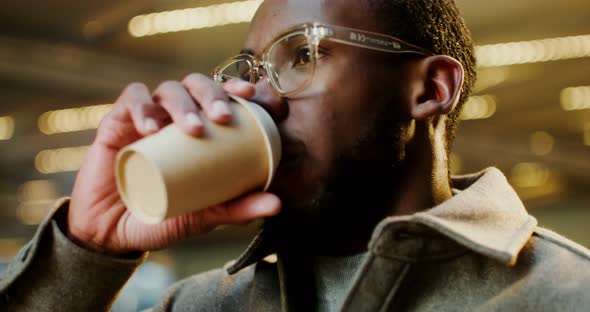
(441, 80)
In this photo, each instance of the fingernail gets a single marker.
(242, 84)
(193, 120)
(220, 108)
(150, 125)
(267, 205)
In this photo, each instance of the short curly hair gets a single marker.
(438, 26)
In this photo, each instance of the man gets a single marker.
(362, 214)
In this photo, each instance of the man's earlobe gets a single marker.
(441, 85)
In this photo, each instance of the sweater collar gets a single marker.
(485, 215)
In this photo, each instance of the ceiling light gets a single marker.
(490, 78)
(528, 174)
(479, 107)
(35, 198)
(541, 143)
(193, 18)
(72, 119)
(535, 180)
(6, 127)
(575, 98)
(534, 51)
(33, 212)
(60, 160)
(37, 190)
(9, 247)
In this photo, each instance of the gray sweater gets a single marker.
(478, 251)
(333, 277)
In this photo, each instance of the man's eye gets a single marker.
(302, 56)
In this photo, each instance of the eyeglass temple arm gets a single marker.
(373, 41)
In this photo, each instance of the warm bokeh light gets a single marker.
(193, 18)
(35, 198)
(61, 159)
(9, 247)
(36, 190)
(72, 119)
(534, 51)
(6, 127)
(575, 98)
(63, 64)
(541, 143)
(534, 180)
(529, 174)
(272, 258)
(491, 77)
(479, 107)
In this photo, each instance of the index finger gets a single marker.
(210, 96)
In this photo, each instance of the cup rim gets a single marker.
(270, 132)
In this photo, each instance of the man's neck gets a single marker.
(425, 173)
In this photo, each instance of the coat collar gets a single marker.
(485, 215)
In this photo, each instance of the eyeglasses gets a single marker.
(290, 61)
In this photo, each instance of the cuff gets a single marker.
(52, 271)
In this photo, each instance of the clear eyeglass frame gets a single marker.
(315, 32)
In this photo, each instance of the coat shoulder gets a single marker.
(552, 273)
(557, 265)
(567, 247)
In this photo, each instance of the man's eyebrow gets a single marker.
(247, 51)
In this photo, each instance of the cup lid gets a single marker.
(271, 135)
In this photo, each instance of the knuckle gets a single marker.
(203, 89)
(109, 116)
(167, 87)
(135, 88)
(132, 94)
(195, 78)
(239, 81)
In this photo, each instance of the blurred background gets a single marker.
(63, 62)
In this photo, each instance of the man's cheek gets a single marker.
(316, 89)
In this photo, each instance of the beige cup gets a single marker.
(171, 173)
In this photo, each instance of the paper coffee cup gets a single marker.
(171, 173)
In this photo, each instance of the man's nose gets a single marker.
(275, 105)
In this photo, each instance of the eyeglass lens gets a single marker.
(289, 64)
(240, 69)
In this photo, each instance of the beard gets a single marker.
(349, 203)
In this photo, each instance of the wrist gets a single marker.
(83, 243)
(96, 248)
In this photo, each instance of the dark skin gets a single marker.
(330, 123)
(328, 127)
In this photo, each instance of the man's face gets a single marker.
(343, 133)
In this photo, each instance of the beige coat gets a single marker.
(478, 251)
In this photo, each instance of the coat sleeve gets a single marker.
(51, 273)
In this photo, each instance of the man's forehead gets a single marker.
(275, 16)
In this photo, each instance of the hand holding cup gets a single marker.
(98, 218)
